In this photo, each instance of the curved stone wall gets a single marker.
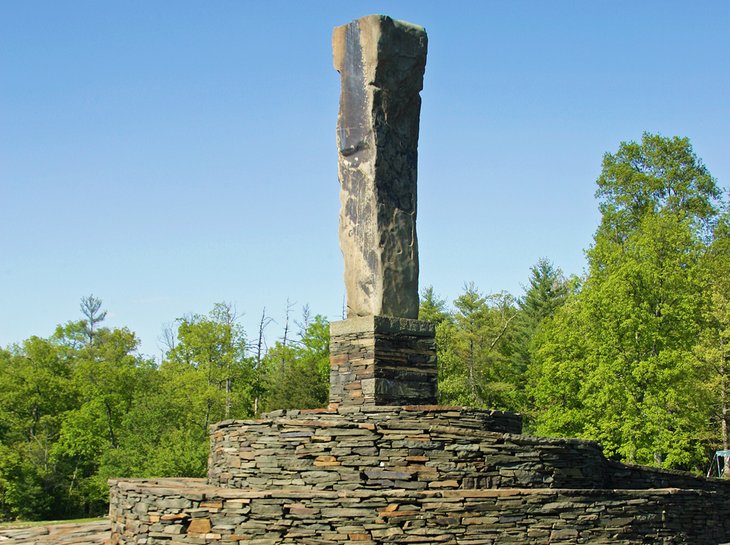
(415, 448)
(414, 475)
(191, 512)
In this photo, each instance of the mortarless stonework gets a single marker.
(380, 355)
(381, 465)
(188, 512)
(415, 475)
(379, 360)
(381, 63)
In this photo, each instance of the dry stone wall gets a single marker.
(381, 360)
(416, 448)
(405, 447)
(169, 512)
(413, 474)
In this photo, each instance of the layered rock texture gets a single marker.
(413, 474)
(84, 533)
(379, 360)
(381, 63)
(383, 464)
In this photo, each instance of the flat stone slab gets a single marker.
(192, 512)
(383, 324)
(85, 533)
(200, 490)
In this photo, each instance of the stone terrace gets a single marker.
(174, 512)
(413, 474)
(416, 448)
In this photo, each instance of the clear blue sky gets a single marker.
(169, 155)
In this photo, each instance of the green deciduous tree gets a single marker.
(618, 363)
(214, 346)
(108, 376)
(713, 346)
(63, 405)
(297, 372)
(205, 376)
(35, 391)
(84, 406)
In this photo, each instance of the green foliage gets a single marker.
(546, 292)
(484, 344)
(297, 374)
(209, 363)
(35, 389)
(659, 175)
(713, 347)
(474, 343)
(23, 490)
(83, 406)
(617, 363)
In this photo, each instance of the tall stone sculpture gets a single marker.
(381, 63)
(364, 473)
(381, 354)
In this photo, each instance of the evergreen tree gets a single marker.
(475, 364)
(546, 292)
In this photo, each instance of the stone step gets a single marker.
(85, 533)
(191, 511)
(415, 447)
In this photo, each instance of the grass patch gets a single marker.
(31, 524)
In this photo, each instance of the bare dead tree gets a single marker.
(306, 321)
(261, 343)
(168, 338)
(289, 307)
(285, 339)
(260, 347)
(225, 313)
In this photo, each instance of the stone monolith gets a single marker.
(381, 354)
(381, 62)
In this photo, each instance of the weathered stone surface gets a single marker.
(381, 63)
(382, 324)
(353, 447)
(540, 516)
(381, 360)
(87, 533)
(383, 464)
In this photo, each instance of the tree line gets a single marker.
(82, 405)
(632, 353)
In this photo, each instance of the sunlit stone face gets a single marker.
(381, 63)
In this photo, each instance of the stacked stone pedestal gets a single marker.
(379, 360)
(413, 474)
(383, 464)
